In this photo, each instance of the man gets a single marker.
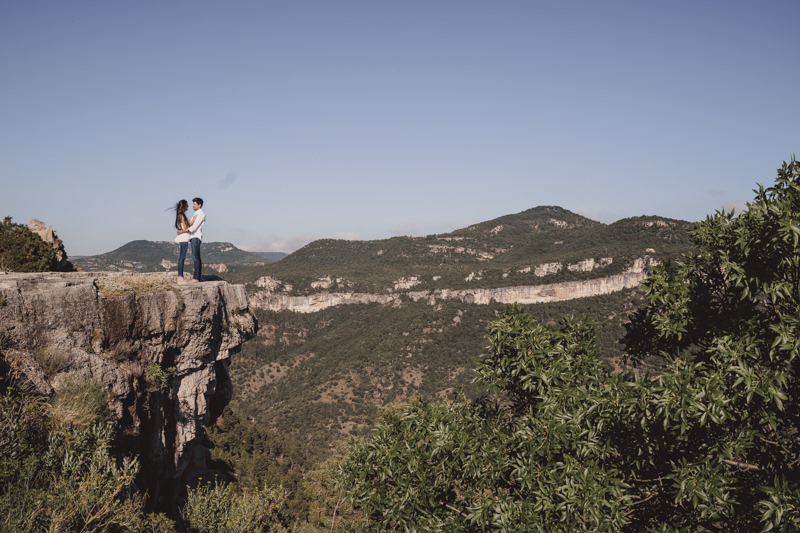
(195, 232)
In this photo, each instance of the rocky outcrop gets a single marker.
(160, 348)
(316, 302)
(523, 294)
(51, 237)
(534, 294)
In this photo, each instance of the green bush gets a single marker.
(708, 443)
(21, 250)
(158, 377)
(62, 478)
(218, 508)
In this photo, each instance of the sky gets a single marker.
(299, 120)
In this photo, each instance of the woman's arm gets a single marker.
(186, 225)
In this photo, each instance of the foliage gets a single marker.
(257, 456)
(533, 466)
(158, 377)
(323, 376)
(218, 508)
(62, 478)
(51, 360)
(21, 250)
(708, 443)
(329, 509)
(56, 475)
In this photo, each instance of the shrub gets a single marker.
(62, 478)
(219, 508)
(707, 443)
(21, 250)
(157, 377)
(121, 352)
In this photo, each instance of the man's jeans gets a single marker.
(182, 257)
(198, 263)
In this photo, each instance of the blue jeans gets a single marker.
(198, 263)
(182, 257)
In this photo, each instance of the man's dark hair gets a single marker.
(199, 201)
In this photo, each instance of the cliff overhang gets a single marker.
(122, 330)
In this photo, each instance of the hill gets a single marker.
(161, 256)
(271, 256)
(498, 253)
(323, 375)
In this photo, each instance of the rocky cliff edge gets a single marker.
(160, 348)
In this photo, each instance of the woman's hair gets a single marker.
(180, 214)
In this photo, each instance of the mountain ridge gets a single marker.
(504, 251)
(162, 256)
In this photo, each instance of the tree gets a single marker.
(708, 442)
(21, 250)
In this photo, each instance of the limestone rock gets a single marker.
(50, 237)
(524, 294)
(316, 302)
(114, 327)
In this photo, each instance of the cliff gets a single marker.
(161, 349)
(270, 300)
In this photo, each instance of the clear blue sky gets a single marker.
(298, 120)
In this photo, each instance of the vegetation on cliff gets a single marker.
(710, 443)
(59, 471)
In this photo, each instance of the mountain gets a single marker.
(418, 310)
(498, 253)
(161, 256)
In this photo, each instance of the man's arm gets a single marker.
(197, 219)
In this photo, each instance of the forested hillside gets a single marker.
(324, 375)
(498, 253)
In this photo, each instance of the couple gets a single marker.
(190, 232)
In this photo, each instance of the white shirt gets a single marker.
(196, 229)
(183, 237)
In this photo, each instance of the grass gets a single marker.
(121, 352)
(80, 401)
(50, 360)
(136, 284)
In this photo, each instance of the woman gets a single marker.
(182, 225)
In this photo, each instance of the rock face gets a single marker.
(523, 294)
(51, 237)
(126, 330)
(316, 302)
(533, 294)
